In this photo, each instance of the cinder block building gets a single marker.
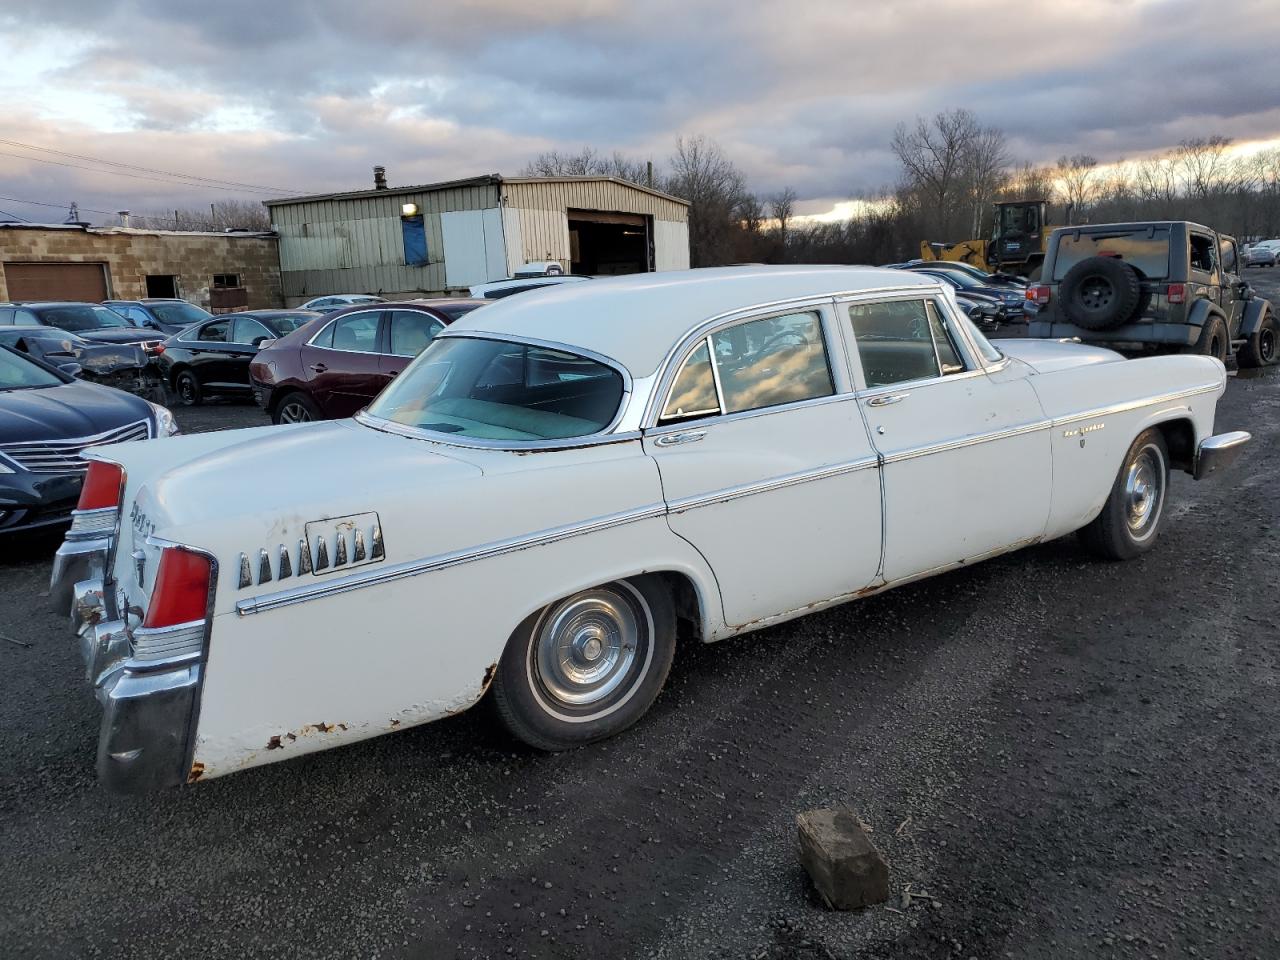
(441, 238)
(218, 271)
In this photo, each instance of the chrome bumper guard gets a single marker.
(76, 561)
(1218, 451)
(146, 719)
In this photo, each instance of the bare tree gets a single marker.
(588, 163)
(954, 165)
(1077, 174)
(221, 215)
(1201, 162)
(782, 207)
(703, 175)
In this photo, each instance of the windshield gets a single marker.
(455, 310)
(184, 314)
(19, 374)
(499, 390)
(82, 316)
(1146, 249)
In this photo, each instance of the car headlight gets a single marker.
(166, 425)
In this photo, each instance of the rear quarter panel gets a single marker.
(1096, 411)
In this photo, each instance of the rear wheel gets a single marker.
(295, 408)
(1213, 341)
(588, 666)
(1130, 520)
(1260, 350)
(186, 386)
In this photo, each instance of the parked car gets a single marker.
(1262, 254)
(987, 279)
(212, 357)
(988, 313)
(165, 314)
(497, 289)
(338, 301)
(91, 321)
(1153, 287)
(542, 501)
(1013, 298)
(124, 366)
(331, 369)
(47, 418)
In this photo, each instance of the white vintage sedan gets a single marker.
(561, 485)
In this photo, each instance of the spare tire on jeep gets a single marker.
(1100, 293)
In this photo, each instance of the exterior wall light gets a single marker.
(408, 209)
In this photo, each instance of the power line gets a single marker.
(205, 224)
(15, 216)
(132, 166)
(60, 206)
(136, 176)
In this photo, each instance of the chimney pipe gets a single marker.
(124, 217)
(379, 178)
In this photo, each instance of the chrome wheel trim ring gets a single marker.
(1144, 490)
(588, 649)
(1267, 344)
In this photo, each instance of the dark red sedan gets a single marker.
(332, 367)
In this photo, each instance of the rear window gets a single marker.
(1147, 250)
(499, 390)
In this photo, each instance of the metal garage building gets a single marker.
(442, 238)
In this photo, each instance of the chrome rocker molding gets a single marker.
(1219, 451)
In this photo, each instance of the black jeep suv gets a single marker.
(1166, 286)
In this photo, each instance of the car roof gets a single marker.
(40, 304)
(262, 313)
(636, 320)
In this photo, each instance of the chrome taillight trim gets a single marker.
(88, 524)
(155, 647)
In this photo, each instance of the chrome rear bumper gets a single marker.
(76, 560)
(1218, 451)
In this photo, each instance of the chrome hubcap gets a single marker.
(1144, 492)
(586, 648)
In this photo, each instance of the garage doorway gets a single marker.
(162, 285)
(607, 244)
(56, 281)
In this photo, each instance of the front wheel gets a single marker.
(1130, 520)
(588, 666)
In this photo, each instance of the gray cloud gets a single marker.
(310, 93)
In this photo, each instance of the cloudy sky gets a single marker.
(302, 96)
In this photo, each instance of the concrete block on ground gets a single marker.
(845, 866)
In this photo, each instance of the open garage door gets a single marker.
(603, 243)
(56, 281)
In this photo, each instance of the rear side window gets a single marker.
(411, 331)
(1204, 253)
(1145, 249)
(214, 332)
(753, 365)
(6, 315)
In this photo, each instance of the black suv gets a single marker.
(1166, 286)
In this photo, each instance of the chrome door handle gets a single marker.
(671, 439)
(886, 399)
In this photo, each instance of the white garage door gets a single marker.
(474, 248)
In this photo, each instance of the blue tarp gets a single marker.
(415, 241)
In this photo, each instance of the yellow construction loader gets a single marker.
(1017, 244)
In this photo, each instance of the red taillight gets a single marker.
(158, 349)
(1177, 293)
(102, 486)
(1039, 294)
(181, 593)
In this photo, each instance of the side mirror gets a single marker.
(260, 342)
(71, 368)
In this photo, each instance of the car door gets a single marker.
(965, 447)
(1233, 287)
(408, 333)
(766, 465)
(1205, 274)
(342, 363)
(242, 347)
(209, 359)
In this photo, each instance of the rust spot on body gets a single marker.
(489, 671)
(197, 771)
(323, 727)
(274, 744)
(395, 723)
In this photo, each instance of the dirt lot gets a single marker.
(1060, 758)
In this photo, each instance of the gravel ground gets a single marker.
(1059, 758)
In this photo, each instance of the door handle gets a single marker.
(671, 439)
(318, 368)
(394, 373)
(885, 399)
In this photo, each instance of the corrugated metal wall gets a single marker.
(670, 245)
(354, 245)
(590, 195)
